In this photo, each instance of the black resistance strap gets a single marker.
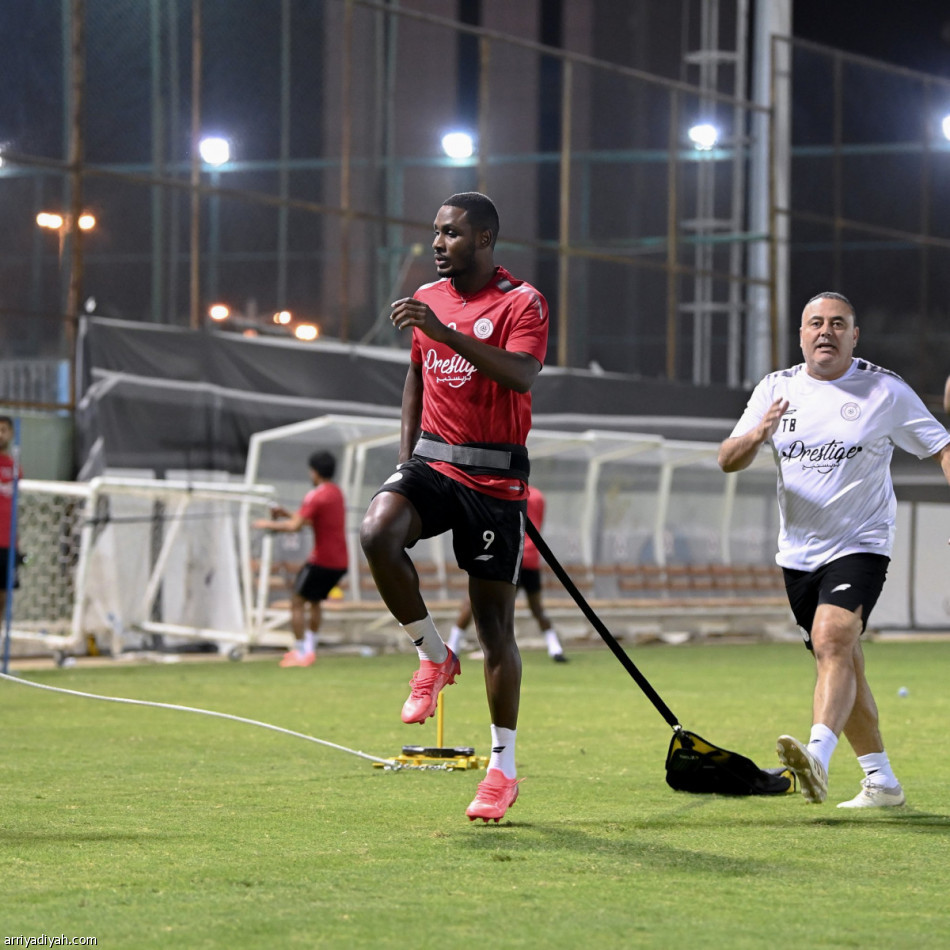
(599, 626)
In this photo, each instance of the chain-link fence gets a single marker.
(869, 208)
(334, 109)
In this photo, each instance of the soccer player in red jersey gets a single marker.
(479, 338)
(8, 472)
(323, 508)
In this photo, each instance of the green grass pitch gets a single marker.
(147, 828)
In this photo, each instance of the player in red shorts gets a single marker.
(479, 338)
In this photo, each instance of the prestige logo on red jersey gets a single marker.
(454, 370)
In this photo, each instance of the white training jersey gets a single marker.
(833, 451)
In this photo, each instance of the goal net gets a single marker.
(616, 500)
(366, 451)
(116, 563)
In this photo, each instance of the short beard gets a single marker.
(460, 266)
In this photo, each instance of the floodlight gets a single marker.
(945, 127)
(214, 150)
(48, 219)
(704, 136)
(55, 221)
(458, 144)
(219, 312)
(306, 331)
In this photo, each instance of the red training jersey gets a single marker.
(460, 404)
(324, 508)
(6, 498)
(531, 558)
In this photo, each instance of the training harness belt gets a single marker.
(481, 458)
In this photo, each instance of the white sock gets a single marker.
(878, 765)
(503, 751)
(822, 743)
(455, 637)
(425, 638)
(554, 645)
(309, 642)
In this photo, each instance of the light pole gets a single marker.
(215, 151)
(63, 226)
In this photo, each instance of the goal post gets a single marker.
(117, 559)
(365, 448)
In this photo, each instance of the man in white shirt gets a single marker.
(832, 423)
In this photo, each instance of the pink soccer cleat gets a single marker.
(495, 795)
(427, 682)
(293, 658)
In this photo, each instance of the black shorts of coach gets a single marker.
(314, 583)
(851, 581)
(487, 532)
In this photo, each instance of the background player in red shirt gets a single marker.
(479, 338)
(324, 510)
(529, 581)
(8, 471)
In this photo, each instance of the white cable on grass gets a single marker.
(389, 764)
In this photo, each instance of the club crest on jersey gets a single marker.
(483, 328)
(850, 411)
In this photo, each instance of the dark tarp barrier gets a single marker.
(158, 397)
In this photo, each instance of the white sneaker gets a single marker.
(873, 795)
(811, 774)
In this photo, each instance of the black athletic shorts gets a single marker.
(530, 580)
(4, 567)
(314, 583)
(487, 532)
(852, 581)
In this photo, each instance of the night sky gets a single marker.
(912, 33)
